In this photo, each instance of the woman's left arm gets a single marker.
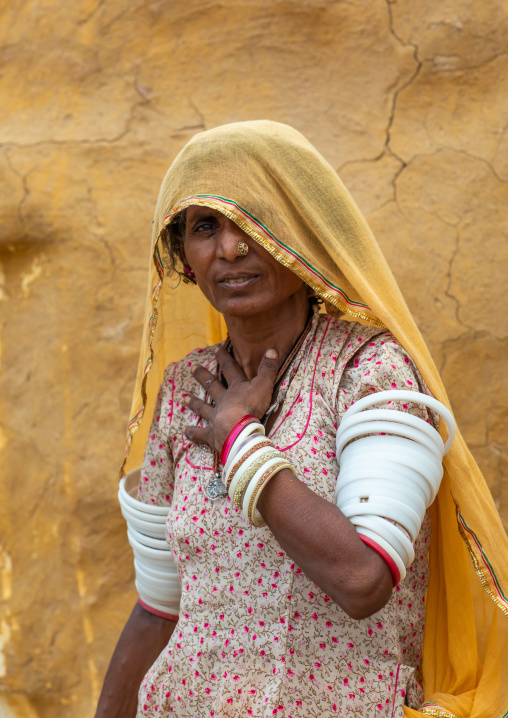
(325, 545)
(312, 530)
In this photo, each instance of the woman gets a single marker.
(300, 617)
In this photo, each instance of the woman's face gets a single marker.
(235, 285)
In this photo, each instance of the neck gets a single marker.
(278, 328)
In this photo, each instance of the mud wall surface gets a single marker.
(409, 102)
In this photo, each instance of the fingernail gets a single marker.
(271, 354)
(187, 400)
(193, 369)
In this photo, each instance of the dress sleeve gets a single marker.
(380, 365)
(157, 483)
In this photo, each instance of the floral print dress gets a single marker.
(255, 636)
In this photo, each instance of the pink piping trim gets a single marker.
(395, 689)
(172, 396)
(311, 395)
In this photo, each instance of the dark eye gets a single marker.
(205, 225)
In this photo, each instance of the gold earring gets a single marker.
(243, 249)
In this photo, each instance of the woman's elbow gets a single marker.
(366, 591)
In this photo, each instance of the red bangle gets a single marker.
(235, 431)
(385, 556)
(168, 616)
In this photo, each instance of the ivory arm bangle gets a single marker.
(253, 515)
(389, 550)
(252, 439)
(245, 465)
(250, 450)
(391, 428)
(158, 543)
(393, 561)
(157, 612)
(402, 514)
(159, 609)
(250, 471)
(392, 416)
(381, 397)
(390, 533)
(373, 491)
(264, 470)
(247, 431)
(387, 471)
(125, 497)
(390, 448)
(367, 481)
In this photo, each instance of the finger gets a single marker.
(268, 367)
(198, 406)
(229, 367)
(208, 381)
(198, 435)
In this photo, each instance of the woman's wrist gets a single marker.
(233, 435)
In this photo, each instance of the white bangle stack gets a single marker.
(156, 574)
(251, 463)
(395, 475)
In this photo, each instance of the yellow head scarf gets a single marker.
(268, 179)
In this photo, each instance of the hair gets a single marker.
(173, 237)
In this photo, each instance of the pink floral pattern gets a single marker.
(256, 637)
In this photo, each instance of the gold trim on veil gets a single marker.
(271, 181)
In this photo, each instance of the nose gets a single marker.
(230, 236)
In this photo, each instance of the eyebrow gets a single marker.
(206, 217)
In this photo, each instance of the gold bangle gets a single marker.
(263, 479)
(260, 486)
(249, 473)
(248, 453)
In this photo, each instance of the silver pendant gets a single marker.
(216, 489)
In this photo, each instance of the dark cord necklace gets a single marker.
(216, 488)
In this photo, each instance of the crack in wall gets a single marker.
(405, 85)
(26, 189)
(449, 276)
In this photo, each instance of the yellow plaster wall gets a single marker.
(407, 99)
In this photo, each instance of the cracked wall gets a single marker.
(408, 100)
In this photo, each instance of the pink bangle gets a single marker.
(148, 608)
(385, 556)
(235, 431)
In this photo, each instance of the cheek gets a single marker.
(198, 254)
(286, 281)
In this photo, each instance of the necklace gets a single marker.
(216, 488)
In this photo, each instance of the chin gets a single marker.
(242, 306)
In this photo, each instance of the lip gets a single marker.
(237, 286)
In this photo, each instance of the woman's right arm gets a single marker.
(144, 637)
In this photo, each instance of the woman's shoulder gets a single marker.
(344, 338)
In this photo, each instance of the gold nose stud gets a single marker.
(243, 249)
